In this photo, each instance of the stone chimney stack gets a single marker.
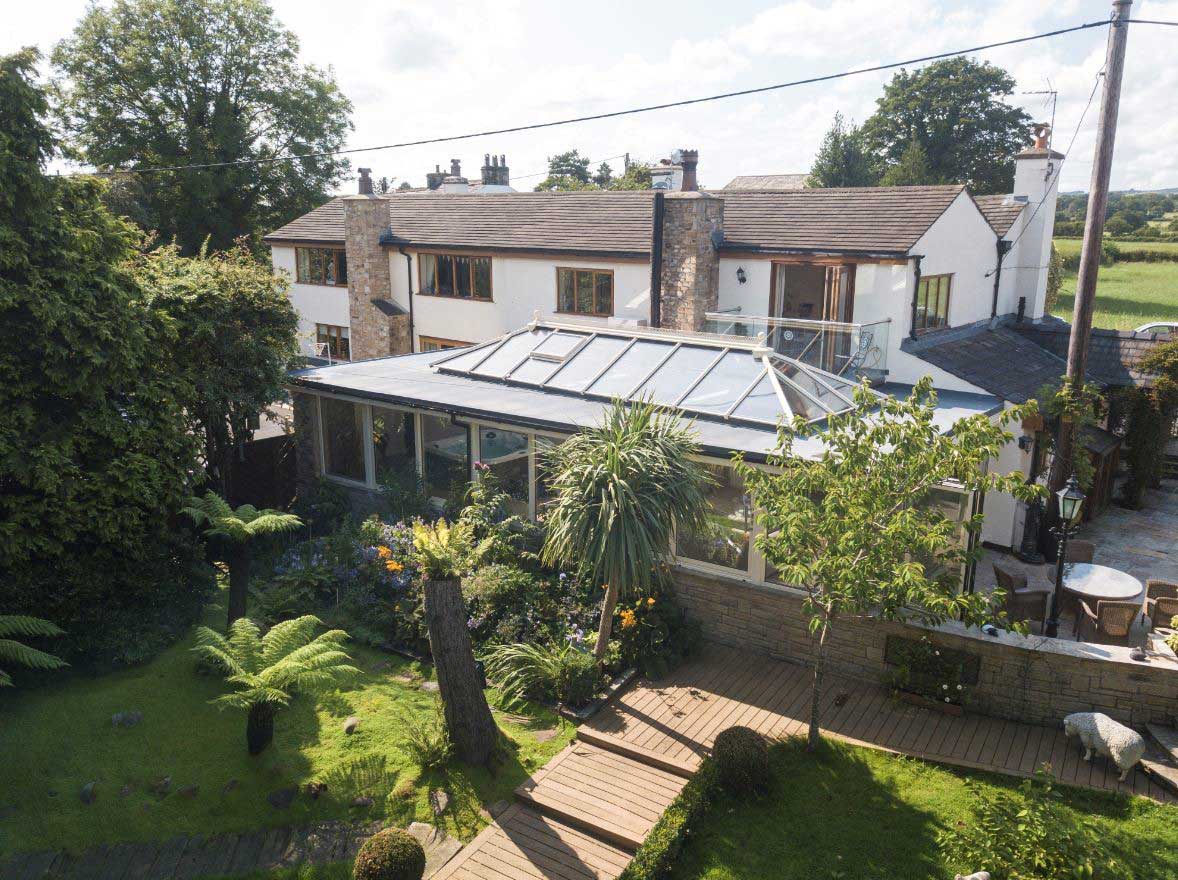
(378, 328)
(365, 181)
(433, 180)
(494, 170)
(689, 162)
(455, 168)
(689, 277)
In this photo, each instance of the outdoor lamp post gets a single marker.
(1071, 499)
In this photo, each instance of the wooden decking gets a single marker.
(677, 719)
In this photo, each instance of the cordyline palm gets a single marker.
(269, 669)
(238, 528)
(622, 489)
(14, 653)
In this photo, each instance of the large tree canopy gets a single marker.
(843, 160)
(176, 82)
(954, 109)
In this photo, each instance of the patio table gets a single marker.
(1096, 582)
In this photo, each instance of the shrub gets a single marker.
(578, 679)
(428, 741)
(655, 635)
(661, 848)
(1027, 835)
(508, 604)
(1172, 638)
(390, 854)
(742, 759)
(323, 507)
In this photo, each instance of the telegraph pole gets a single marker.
(1106, 132)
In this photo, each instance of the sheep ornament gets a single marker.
(1100, 734)
(976, 875)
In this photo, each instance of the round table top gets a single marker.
(1100, 581)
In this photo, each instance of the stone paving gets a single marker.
(220, 855)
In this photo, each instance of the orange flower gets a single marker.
(384, 552)
(628, 619)
(650, 602)
(393, 565)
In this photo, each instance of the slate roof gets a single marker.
(1113, 355)
(883, 220)
(999, 212)
(767, 181)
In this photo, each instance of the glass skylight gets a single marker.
(698, 374)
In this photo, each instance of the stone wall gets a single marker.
(693, 224)
(1021, 678)
(374, 333)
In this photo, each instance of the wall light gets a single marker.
(740, 276)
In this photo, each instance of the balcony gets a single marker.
(854, 351)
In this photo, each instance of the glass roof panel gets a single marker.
(762, 404)
(534, 370)
(620, 379)
(560, 343)
(804, 379)
(466, 359)
(579, 370)
(676, 375)
(511, 353)
(724, 383)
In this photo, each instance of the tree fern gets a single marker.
(14, 653)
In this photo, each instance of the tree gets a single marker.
(220, 309)
(636, 177)
(569, 164)
(444, 553)
(96, 455)
(267, 670)
(621, 491)
(857, 528)
(238, 529)
(1055, 270)
(842, 159)
(604, 175)
(177, 82)
(912, 169)
(954, 109)
(16, 653)
(1151, 410)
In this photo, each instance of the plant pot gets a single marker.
(955, 709)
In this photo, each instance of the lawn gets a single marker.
(1127, 295)
(57, 737)
(860, 814)
(1070, 247)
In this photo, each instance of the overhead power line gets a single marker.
(616, 113)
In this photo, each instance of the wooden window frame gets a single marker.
(421, 291)
(339, 336)
(594, 272)
(440, 343)
(922, 286)
(333, 250)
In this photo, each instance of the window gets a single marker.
(435, 343)
(343, 426)
(336, 339)
(505, 454)
(446, 458)
(544, 495)
(394, 443)
(724, 539)
(932, 302)
(585, 291)
(455, 275)
(321, 266)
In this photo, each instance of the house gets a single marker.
(887, 283)
(767, 181)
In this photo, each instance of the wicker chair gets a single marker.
(1022, 602)
(1080, 551)
(1161, 602)
(1111, 623)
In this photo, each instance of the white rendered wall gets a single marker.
(1004, 515)
(314, 303)
(520, 287)
(1024, 272)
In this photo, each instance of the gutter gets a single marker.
(656, 262)
(916, 258)
(1003, 247)
(409, 287)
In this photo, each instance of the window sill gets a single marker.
(343, 286)
(451, 297)
(585, 314)
(347, 481)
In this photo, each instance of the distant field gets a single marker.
(1127, 294)
(1070, 247)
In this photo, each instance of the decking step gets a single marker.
(1165, 737)
(1161, 758)
(650, 757)
(523, 844)
(612, 796)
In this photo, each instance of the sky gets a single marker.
(415, 70)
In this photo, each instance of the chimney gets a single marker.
(455, 168)
(373, 332)
(689, 161)
(365, 181)
(689, 264)
(494, 170)
(1036, 183)
(454, 184)
(433, 179)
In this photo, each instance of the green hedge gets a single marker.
(662, 845)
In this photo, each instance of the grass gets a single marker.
(1127, 295)
(1070, 247)
(859, 814)
(56, 738)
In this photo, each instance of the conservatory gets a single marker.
(499, 404)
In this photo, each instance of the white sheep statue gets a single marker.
(1099, 733)
(976, 875)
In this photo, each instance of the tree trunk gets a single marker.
(468, 717)
(605, 628)
(259, 727)
(816, 690)
(239, 581)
